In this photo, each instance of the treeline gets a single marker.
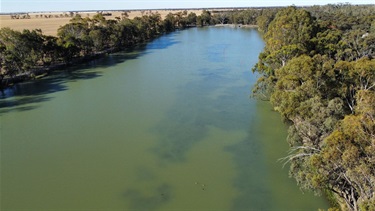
(27, 15)
(318, 70)
(246, 17)
(24, 54)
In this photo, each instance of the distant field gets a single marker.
(50, 25)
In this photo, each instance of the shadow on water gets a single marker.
(185, 125)
(195, 110)
(28, 95)
(188, 123)
(261, 181)
(146, 201)
(206, 103)
(163, 42)
(250, 180)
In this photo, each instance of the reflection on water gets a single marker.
(167, 126)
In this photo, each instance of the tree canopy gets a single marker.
(318, 70)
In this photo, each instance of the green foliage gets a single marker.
(246, 17)
(205, 18)
(326, 42)
(288, 35)
(320, 76)
(291, 26)
(20, 51)
(293, 86)
(192, 19)
(265, 18)
(348, 154)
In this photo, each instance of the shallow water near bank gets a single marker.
(168, 126)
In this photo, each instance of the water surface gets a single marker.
(168, 126)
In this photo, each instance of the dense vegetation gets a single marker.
(318, 70)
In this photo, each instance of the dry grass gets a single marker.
(49, 26)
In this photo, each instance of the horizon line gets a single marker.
(192, 8)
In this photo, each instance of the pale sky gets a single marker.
(74, 5)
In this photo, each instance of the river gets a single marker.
(166, 126)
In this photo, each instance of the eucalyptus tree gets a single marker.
(264, 19)
(169, 22)
(20, 51)
(320, 76)
(288, 35)
(74, 37)
(192, 19)
(11, 60)
(205, 18)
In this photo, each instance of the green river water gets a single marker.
(167, 126)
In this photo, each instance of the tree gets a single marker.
(192, 19)
(327, 42)
(288, 36)
(10, 60)
(169, 22)
(358, 44)
(51, 51)
(205, 17)
(291, 26)
(346, 163)
(353, 77)
(265, 18)
(127, 32)
(20, 51)
(295, 84)
(322, 81)
(221, 17)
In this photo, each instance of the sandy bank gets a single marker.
(236, 25)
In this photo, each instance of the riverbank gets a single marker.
(236, 25)
(42, 71)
